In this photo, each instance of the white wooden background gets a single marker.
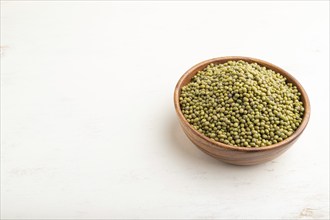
(87, 118)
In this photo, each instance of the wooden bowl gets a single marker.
(233, 154)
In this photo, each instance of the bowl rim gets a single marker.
(216, 144)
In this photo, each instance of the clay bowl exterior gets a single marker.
(232, 154)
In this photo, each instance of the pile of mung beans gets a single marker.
(242, 104)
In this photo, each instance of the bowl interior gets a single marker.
(186, 78)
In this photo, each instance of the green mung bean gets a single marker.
(242, 104)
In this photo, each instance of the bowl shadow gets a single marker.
(182, 146)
